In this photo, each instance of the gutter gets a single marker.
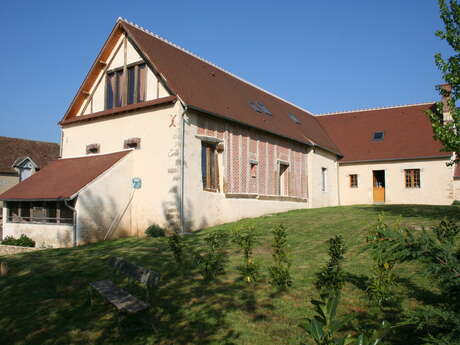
(74, 210)
(182, 171)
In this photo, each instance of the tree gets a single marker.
(446, 131)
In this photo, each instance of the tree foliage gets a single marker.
(447, 131)
(331, 277)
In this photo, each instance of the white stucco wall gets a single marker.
(205, 208)
(457, 189)
(6, 182)
(104, 206)
(156, 162)
(435, 180)
(317, 160)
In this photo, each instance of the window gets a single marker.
(412, 178)
(378, 136)
(253, 169)
(323, 179)
(92, 148)
(283, 179)
(260, 108)
(49, 212)
(133, 143)
(294, 118)
(354, 181)
(209, 167)
(125, 88)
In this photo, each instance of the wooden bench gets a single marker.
(120, 298)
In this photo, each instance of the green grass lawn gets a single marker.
(45, 299)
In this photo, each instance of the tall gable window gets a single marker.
(209, 167)
(412, 178)
(126, 85)
(323, 179)
(354, 181)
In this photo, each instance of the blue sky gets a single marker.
(324, 56)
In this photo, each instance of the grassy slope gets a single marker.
(45, 298)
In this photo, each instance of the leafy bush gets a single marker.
(331, 277)
(22, 241)
(211, 262)
(246, 240)
(155, 231)
(279, 272)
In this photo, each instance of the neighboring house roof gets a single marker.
(63, 178)
(407, 133)
(205, 87)
(14, 149)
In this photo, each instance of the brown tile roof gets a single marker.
(120, 110)
(205, 87)
(12, 149)
(62, 178)
(407, 133)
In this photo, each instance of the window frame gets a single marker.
(132, 143)
(323, 179)
(353, 180)
(93, 149)
(121, 85)
(283, 178)
(209, 166)
(412, 178)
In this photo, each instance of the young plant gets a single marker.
(176, 245)
(279, 271)
(331, 277)
(383, 246)
(325, 325)
(246, 240)
(211, 262)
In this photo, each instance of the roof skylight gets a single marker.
(378, 136)
(260, 108)
(294, 118)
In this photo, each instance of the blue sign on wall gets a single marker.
(137, 182)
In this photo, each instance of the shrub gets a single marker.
(22, 241)
(331, 277)
(279, 272)
(246, 239)
(155, 231)
(211, 262)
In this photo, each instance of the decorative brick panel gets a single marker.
(242, 144)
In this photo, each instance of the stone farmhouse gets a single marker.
(157, 135)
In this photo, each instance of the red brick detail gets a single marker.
(244, 161)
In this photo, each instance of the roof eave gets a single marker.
(396, 159)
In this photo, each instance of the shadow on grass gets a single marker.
(430, 212)
(46, 299)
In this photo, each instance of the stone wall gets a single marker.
(10, 250)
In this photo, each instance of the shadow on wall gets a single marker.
(99, 215)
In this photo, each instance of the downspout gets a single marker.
(182, 172)
(74, 210)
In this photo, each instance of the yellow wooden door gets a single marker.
(379, 190)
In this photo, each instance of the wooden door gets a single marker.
(379, 185)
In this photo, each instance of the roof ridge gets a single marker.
(23, 139)
(210, 63)
(374, 109)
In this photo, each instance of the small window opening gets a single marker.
(323, 179)
(283, 179)
(260, 108)
(92, 149)
(378, 136)
(412, 178)
(354, 181)
(133, 143)
(253, 169)
(294, 118)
